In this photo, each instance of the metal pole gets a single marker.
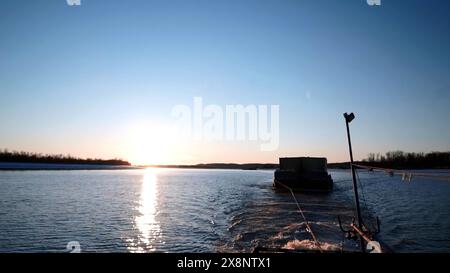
(348, 119)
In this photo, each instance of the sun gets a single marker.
(149, 143)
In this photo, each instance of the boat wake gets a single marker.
(274, 222)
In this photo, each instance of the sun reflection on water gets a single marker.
(146, 223)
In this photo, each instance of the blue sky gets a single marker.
(74, 79)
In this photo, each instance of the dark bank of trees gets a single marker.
(402, 160)
(26, 157)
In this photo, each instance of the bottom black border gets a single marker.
(172, 261)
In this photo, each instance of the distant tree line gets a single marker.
(402, 160)
(27, 157)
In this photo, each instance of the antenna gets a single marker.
(348, 119)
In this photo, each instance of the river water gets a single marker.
(183, 210)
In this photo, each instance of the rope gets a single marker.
(342, 180)
(308, 226)
(365, 206)
(364, 200)
(405, 175)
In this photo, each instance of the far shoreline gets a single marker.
(33, 166)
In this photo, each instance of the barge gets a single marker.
(303, 174)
